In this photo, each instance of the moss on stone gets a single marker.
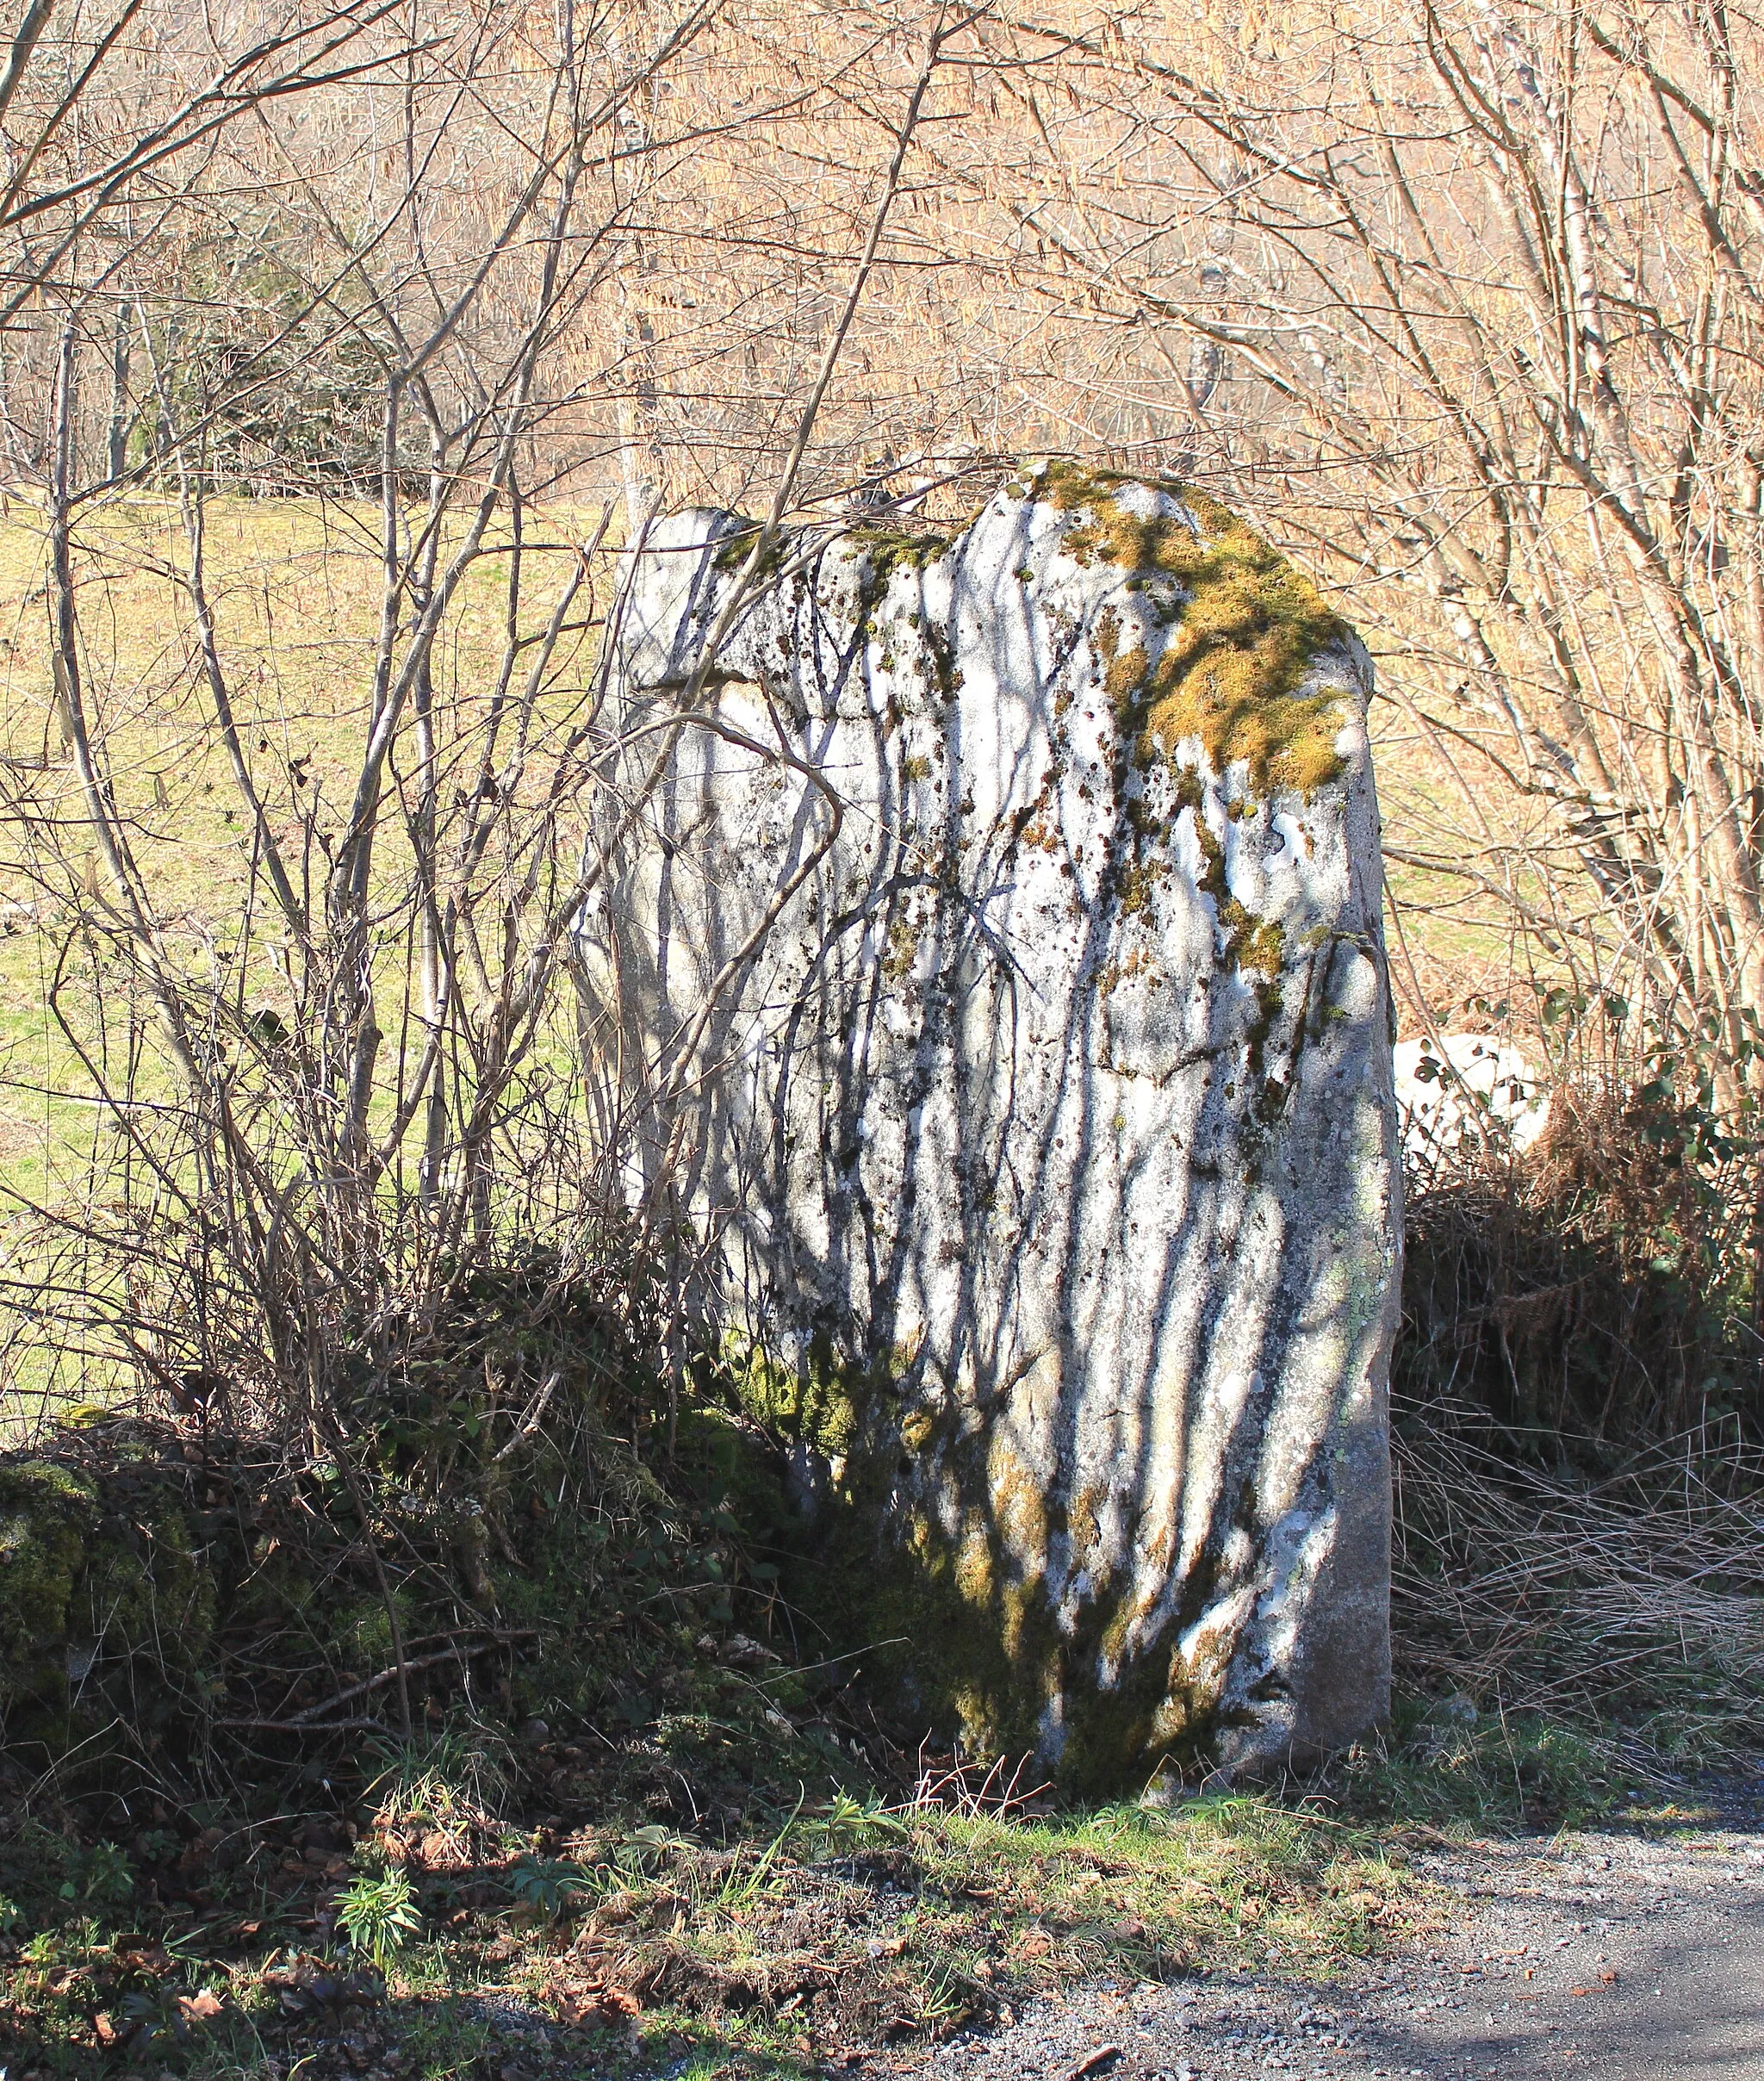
(817, 1401)
(731, 553)
(936, 1556)
(47, 1518)
(1250, 628)
(1255, 942)
(889, 549)
(86, 1587)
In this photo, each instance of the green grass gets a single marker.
(594, 1925)
(767, 1944)
(765, 1950)
(296, 590)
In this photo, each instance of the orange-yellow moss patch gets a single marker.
(1250, 626)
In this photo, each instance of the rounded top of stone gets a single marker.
(1236, 632)
(1206, 636)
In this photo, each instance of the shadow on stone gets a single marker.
(999, 968)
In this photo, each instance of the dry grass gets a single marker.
(1633, 1603)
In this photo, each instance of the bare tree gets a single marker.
(1463, 303)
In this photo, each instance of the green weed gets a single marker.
(378, 1915)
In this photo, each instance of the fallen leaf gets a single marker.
(742, 1652)
(593, 2002)
(1095, 2062)
(145, 1957)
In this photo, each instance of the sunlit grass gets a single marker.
(700, 1951)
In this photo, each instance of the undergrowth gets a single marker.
(503, 1509)
(1577, 1436)
(418, 1930)
(473, 1732)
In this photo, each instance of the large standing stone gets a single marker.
(1049, 1132)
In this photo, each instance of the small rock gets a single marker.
(741, 1652)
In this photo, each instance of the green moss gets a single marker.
(362, 1630)
(1249, 628)
(960, 1619)
(86, 1587)
(1254, 943)
(889, 549)
(818, 1402)
(48, 1517)
(900, 951)
(974, 1649)
(731, 554)
(725, 1462)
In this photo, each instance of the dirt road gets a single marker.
(1608, 1955)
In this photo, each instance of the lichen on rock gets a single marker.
(1055, 1110)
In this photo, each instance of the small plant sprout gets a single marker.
(546, 1887)
(378, 1915)
(106, 1878)
(848, 1823)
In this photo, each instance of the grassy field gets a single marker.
(295, 591)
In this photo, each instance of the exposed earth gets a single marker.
(1621, 1956)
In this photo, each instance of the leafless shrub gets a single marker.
(325, 1101)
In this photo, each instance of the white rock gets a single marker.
(1054, 1117)
(1459, 1089)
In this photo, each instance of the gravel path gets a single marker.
(1606, 1955)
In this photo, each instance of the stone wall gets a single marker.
(1049, 1134)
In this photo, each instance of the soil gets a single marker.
(1624, 1956)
